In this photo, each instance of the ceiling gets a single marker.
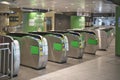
(116, 2)
(95, 6)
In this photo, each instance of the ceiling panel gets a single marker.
(69, 5)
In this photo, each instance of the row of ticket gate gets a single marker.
(34, 49)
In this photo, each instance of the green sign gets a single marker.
(77, 22)
(33, 21)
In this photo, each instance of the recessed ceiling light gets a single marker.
(66, 7)
(5, 2)
(53, 6)
(93, 1)
(72, 4)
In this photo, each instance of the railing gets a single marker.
(6, 60)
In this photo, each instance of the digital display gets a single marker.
(13, 18)
(103, 21)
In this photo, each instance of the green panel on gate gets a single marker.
(34, 50)
(57, 46)
(92, 42)
(74, 44)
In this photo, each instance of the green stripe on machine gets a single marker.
(92, 41)
(57, 46)
(34, 50)
(74, 44)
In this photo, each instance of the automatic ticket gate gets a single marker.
(75, 42)
(34, 50)
(91, 41)
(110, 34)
(105, 35)
(9, 57)
(57, 47)
(102, 36)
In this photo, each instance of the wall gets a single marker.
(4, 18)
(62, 22)
(4, 22)
(77, 22)
(33, 21)
(117, 42)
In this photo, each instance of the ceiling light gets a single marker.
(93, 2)
(72, 4)
(53, 6)
(66, 7)
(5, 2)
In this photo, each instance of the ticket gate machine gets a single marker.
(76, 43)
(34, 50)
(57, 47)
(110, 34)
(105, 36)
(91, 41)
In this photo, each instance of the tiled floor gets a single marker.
(102, 66)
